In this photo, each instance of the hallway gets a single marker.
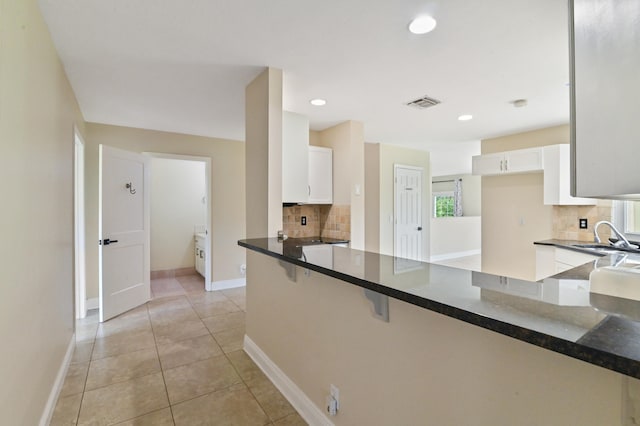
(178, 359)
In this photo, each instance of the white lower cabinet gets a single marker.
(321, 255)
(551, 260)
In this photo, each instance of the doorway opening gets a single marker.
(79, 226)
(181, 214)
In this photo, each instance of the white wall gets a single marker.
(455, 237)
(177, 206)
(37, 113)
(453, 158)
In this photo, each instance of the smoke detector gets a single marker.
(423, 102)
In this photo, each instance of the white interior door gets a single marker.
(124, 260)
(408, 212)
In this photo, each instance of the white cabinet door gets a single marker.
(295, 158)
(523, 160)
(320, 176)
(321, 255)
(488, 164)
(518, 161)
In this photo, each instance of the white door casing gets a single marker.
(408, 212)
(124, 258)
(79, 227)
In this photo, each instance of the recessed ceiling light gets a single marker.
(465, 117)
(422, 24)
(519, 103)
(318, 102)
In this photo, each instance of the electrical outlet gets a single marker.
(583, 223)
(243, 269)
(303, 220)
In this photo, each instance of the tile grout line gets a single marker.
(164, 381)
(192, 304)
(86, 378)
(226, 355)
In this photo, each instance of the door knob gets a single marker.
(419, 228)
(107, 241)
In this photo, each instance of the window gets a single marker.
(443, 204)
(626, 217)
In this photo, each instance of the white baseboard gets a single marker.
(225, 284)
(454, 255)
(47, 414)
(301, 402)
(92, 303)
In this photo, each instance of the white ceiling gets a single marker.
(182, 65)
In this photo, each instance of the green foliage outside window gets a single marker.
(444, 206)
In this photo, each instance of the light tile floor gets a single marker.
(177, 360)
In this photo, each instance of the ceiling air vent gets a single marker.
(423, 102)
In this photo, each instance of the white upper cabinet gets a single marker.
(557, 176)
(320, 190)
(518, 161)
(295, 158)
(553, 160)
(605, 93)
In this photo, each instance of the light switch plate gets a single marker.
(582, 222)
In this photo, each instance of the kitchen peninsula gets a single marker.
(459, 347)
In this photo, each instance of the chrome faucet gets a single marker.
(622, 241)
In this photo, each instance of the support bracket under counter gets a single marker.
(380, 304)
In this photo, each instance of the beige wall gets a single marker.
(263, 132)
(372, 199)
(513, 213)
(227, 190)
(386, 156)
(347, 141)
(37, 113)
(419, 368)
(178, 190)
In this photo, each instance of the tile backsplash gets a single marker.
(565, 221)
(335, 221)
(322, 220)
(291, 217)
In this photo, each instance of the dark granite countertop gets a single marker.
(569, 245)
(557, 313)
(310, 241)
